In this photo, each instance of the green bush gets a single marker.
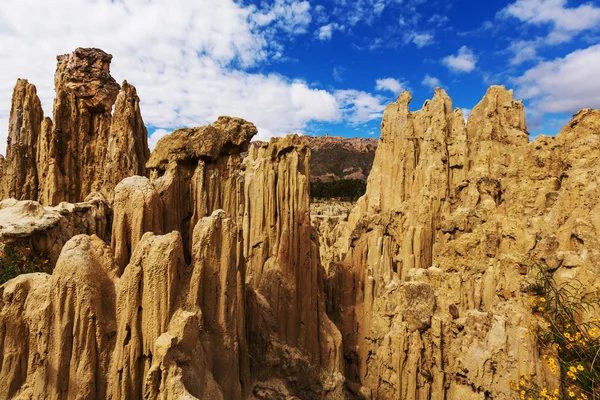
(344, 189)
(16, 261)
(573, 346)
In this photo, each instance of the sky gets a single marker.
(311, 66)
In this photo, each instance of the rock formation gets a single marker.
(25, 121)
(45, 230)
(166, 310)
(429, 295)
(283, 267)
(197, 171)
(334, 157)
(85, 149)
(195, 272)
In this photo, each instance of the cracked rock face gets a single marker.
(195, 272)
(85, 148)
(428, 294)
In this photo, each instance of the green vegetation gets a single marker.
(571, 338)
(17, 261)
(344, 189)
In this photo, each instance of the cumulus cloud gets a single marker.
(326, 31)
(393, 85)
(188, 72)
(419, 39)
(359, 107)
(523, 50)
(564, 85)
(464, 61)
(565, 21)
(431, 81)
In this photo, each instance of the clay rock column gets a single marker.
(21, 176)
(282, 252)
(137, 209)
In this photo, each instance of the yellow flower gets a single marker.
(583, 396)
(543, 300)
(522, 383)
(540, 309)
(573, 369)
(580, 367)
(571, 394)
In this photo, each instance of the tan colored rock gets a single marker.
(462, 211)
(137, 209)
(127, 148)
(45, 230)
(85, 149)
(217, 286)
(283, 258)
(197, 171)
(20, 175)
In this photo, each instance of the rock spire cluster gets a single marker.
(86, 147)
(195, 271)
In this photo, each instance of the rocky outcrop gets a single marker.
(137, 209)
(283, 268)
(334, 157)
(85, 148)
(174, 315)
(20, 175)
(197, 171)
(430, 295)
(45, 230)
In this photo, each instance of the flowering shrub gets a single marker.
(572, 336)
(17, 261)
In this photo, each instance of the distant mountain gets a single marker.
(334, 158)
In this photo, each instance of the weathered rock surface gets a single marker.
(197, 171)
(45, 230)
(283, 267)
(429, 294)
(158, 315)
(334, 157)
(85, 149)
(20, 175)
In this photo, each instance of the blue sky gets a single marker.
(312, 66)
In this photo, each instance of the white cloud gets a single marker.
(188, 72)
(155, 137)
(523, 50)
(565, 21)
(564, 85)
(291, 16)
(431, 81)
(3, 132)
(464, 61)
(419, 39)
(391, 84)
(338, 74)
(359, 107)
(326, 31)
(466, 112)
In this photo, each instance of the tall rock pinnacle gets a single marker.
(84, 149)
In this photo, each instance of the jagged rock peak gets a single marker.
(85, 149)
(23, 130)
(227, 135)
(85, 73)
